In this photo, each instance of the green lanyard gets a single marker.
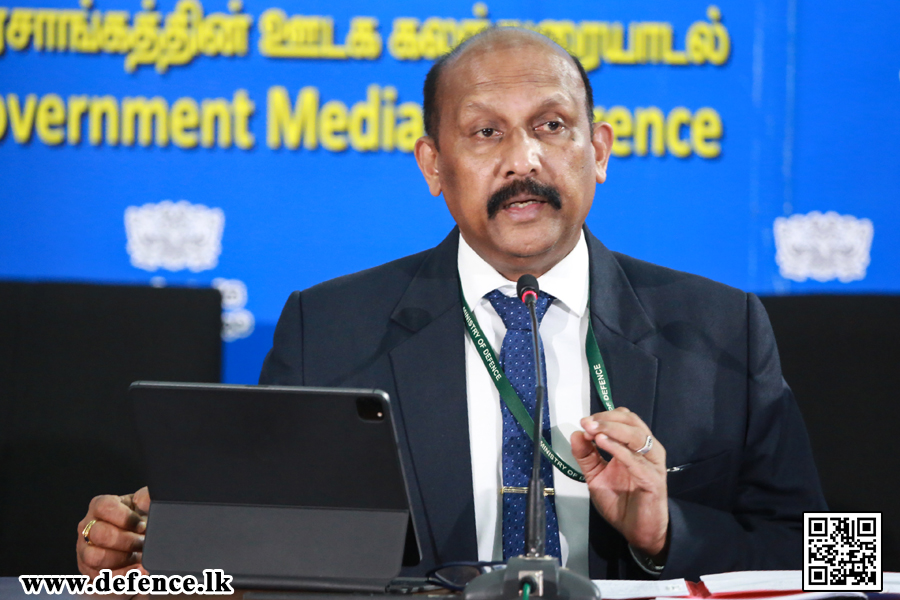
(511, 398)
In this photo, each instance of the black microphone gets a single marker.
(536, 516)
(527, 289)
(542, 574)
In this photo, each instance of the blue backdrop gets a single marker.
(264, 147)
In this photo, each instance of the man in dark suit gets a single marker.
(705, 465)
(694, 360)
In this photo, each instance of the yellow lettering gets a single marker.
(85, 38)
(363, 40)
(115, 36)
(670, 55)
(146, 45)
(615, 47)
(3, 13)
(332, 123)
(243, 109)
(103, 109)
(620, 119)
(136, 120)
(589, 43)
(706, 126)
(387, 118)
(699, 38)
(720, 46)
(678, 117)
(327, 45)
(363, 129)
(402, 43)
(184, 122)
(18, 32)
(51, 114)
(302, 36)
(649, 41)
(435, 37)
(22, 123)
(146, 113)
(282, 121)
(216, 112)
(78, 105)
(411, 128)
(45, 27)
(271, 31)
(647, 119)
(3, 119)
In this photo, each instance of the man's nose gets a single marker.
(521, 154)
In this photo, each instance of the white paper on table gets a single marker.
(891, 583)
(625, 589)
(753, 581)
(803, 596)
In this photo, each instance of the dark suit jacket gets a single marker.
(695, 359)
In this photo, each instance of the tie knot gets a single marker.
(514, 312)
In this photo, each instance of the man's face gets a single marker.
(517, 162)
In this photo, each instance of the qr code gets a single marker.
(842, 552)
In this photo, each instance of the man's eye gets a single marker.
(487, 132)
(553, 125)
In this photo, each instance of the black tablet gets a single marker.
(280, 487)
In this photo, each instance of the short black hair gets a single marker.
(430, 105)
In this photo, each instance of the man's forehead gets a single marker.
(544, 98)
(541, 76)
(509, 59)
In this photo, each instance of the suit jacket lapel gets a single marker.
(620, 323)
(430, 376)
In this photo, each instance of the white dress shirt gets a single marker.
(563, 331)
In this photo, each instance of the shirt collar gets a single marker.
(568, 280)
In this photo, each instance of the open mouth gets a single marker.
(523, 203)
(524, 208)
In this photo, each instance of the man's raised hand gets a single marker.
(629, 490)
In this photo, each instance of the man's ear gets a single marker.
(427, 157)
(602, 139)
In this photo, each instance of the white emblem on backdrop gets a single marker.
(174, 236)
(823, 247)
(237, 321)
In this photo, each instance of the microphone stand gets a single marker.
(536, 525)
(545, 577)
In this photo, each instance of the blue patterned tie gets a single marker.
(517, 362)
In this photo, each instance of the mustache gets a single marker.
(517, 187)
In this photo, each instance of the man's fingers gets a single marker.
(108, 536)
(96, 558)
(588, 458)
(127, 500)
(113, 510)
(117, 524)
(142, 501)
(634, 438)
(625, 427)
(640, 469)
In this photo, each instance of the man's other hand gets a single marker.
(117, 536)
(629, 490)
